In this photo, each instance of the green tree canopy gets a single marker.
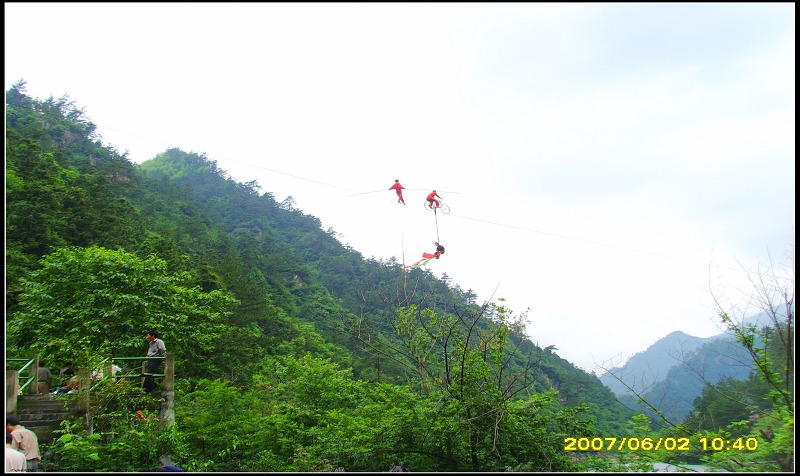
(83, 303)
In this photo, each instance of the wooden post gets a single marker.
(168, 407)
(12, 390)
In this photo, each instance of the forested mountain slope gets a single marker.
(645, 369)
(357, 287)
(271, 283)
(714, 361)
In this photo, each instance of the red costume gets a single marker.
(399, 189)
(432, 199)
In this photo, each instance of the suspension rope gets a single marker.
(436, 219)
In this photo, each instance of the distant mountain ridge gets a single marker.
(672, 372)
(650, 366)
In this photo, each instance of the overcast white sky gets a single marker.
(607, 165)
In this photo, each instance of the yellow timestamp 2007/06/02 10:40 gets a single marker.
(661, 443)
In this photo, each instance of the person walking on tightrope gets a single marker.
(399, 189)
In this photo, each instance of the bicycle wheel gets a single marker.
(428, 206)
(444, 208)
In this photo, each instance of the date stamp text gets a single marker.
(629, 443)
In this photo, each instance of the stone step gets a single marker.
(31, 418)
(45, 434)
(43, 424)
(60, 408)
(42, 401)
(36, 398)
(42, 414)
(39, 398)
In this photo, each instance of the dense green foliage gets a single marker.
(116, 443)
(293, 351)
(84, 303)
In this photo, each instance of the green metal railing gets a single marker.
(27, 363)
(108, 364)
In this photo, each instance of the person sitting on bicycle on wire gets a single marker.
(432, 200)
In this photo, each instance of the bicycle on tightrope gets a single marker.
(442, 207)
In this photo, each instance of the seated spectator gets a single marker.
(69, 387)
(67, 372)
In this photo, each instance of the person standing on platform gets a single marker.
(156, 348)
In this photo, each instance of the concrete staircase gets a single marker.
(42, 414)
